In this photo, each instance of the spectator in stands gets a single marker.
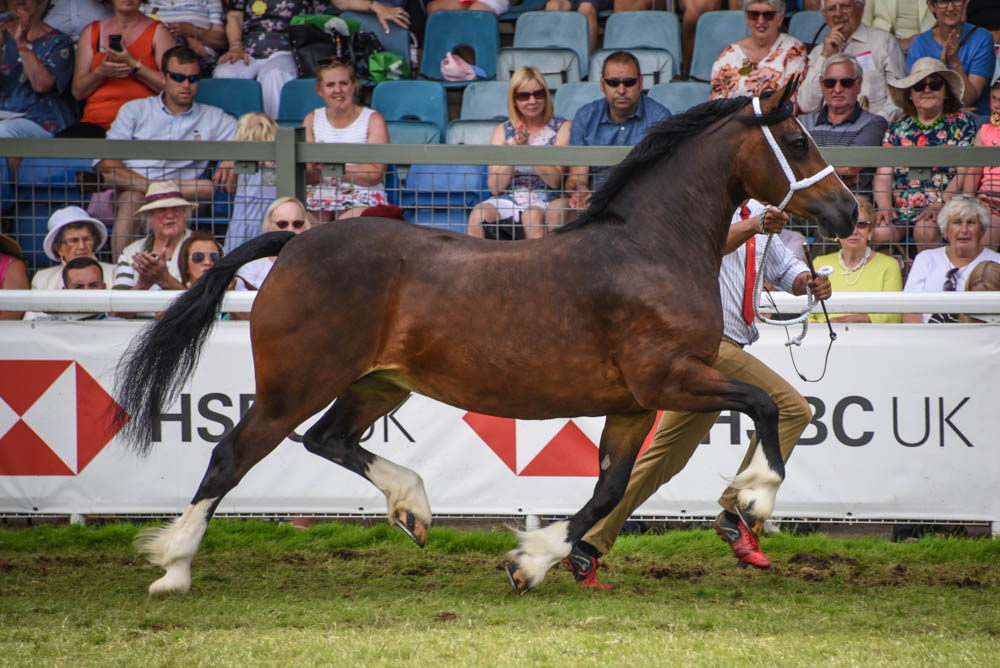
(254, 191)
(522, 194)
(966, 49)
(197, 24)
(857, 268)
(764, 61)
(172, 115)
(197, 255)
(72, 233)
(986, 180)
(498, 7)
(13, 272)
(929, 98)
(343, 121)
(117, 60)
(407, 14)
(877, 54)
(984, 277)
(622, 118)
(72, 16)
(841, 121)
(257, 32)
(37, 67)
(903, 19)
(153, 261)
(589, 8)
(963, 221)
(285, 214)
(985, 14)
(83, 273)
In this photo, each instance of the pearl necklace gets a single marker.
(847, 271)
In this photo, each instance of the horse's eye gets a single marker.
(798, 145)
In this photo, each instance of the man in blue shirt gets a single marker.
(621, 119)
(963, 47)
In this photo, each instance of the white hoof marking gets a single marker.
(172, 547)
(403, 489)
(540, 550)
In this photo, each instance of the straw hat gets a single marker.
(67, 216)
(163, 195)
(924, 67)
(10, 247)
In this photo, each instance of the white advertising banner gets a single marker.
(906, 426)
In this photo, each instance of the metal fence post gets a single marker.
(291, 180)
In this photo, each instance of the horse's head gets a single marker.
(779, 162)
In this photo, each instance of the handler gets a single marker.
(680, 433)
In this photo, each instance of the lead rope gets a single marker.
(793, 187)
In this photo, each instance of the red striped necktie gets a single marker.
(751, 272)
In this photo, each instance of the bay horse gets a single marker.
(616, 314)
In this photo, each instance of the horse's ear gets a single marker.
(777, 99)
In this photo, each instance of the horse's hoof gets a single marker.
(412, 527)
(518, 582)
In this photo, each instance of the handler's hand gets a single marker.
(820, 286)
(772, 221)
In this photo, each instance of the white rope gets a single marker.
(793, 186)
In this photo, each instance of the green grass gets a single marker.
(345, 595)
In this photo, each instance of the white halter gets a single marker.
(793, 186)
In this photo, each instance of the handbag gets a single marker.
(312, 46)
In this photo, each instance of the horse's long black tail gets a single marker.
(161, 359)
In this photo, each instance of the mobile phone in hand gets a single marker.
(115, 42)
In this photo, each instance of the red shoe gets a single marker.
(745, 544)
(584, 568)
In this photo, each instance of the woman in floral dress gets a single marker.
(762, 62)
(929, 98)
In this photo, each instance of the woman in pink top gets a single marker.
(13, 273)
(986, 180)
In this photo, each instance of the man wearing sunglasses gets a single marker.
(966, 49)
(841, 121)
(171, 115)
(622, 118)
(877, 52)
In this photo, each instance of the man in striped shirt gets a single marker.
(679, 432)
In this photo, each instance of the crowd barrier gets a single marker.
(904, 429)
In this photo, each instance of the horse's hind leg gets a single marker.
(542, 548)
(173, 546)
(336, 437)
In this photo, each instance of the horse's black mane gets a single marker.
(663, 139)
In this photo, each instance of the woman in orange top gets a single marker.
(110, 72)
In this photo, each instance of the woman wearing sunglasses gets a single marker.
(762, 62)
(521, 194)
(929, 98)
(197, 255)
(285, 214)
(857, 268)
(962, 221)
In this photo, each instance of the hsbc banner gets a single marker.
(905, 427)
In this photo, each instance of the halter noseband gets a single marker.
(793, 185)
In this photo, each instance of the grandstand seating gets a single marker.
(43, 185)
(413, 100)
(485, 100)
(298, 98)
(679, 96)
(447, 30)
(397, 40)
(441, 195)
(548, 40)
(470, 131)
(716, 30)
(639, 31)
(520, 7)
(572, 96)
(413, 132)
(234, 96)
(804, 25)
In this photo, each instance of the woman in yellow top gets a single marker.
(857, 268)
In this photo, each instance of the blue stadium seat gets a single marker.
(447, 30)
(475, 132)
(6, 186)
(51, 180)
(715, 31)
(413, 100)
(572, 96)
(485, 100)
(546, 40)
(234, 96)
(413, 132)
(629, 31)
(442, 195)
(298, 98)
(804, 25)
(31, 222)
(398, 39)
(679, 96)
(520, 7)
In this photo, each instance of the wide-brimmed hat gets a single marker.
(163, 195)
(10, 247)
(921, 69)
(67, 216)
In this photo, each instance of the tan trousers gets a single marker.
(679, 434)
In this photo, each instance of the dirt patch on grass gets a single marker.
(667, 572)
(445, 617)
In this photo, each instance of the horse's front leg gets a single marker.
(541, 549)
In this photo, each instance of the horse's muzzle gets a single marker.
(836, 214)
